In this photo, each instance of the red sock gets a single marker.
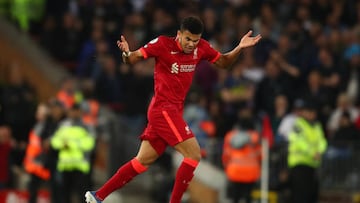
(183, 177)
(124, 175)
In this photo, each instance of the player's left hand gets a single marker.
(248, 41)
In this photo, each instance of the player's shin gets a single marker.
(124, 175)
(183, 177)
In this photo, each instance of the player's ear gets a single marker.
(178, 34)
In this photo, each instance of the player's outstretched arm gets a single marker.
(129, 57)
(227, 59)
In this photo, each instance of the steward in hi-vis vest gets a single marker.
(35, 154)
(306, 146)
(242, 162)
(242, 154)
(74, 143)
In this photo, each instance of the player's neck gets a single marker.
(178, 44)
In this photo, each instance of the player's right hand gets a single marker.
(122, 44)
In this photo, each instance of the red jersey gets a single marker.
(174, 69)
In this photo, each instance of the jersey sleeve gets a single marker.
(152, 48)
(209, 53)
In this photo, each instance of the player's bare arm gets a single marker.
(129, 57)
(227, 59)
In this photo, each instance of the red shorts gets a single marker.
(165, 127)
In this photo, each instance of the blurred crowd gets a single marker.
(54, 142)
(309, 52)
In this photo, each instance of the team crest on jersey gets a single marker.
(195, 56)
(187, 129)
(175, 68)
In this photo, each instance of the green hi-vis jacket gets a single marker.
(74, 143)
(305, 141)
(22, 11)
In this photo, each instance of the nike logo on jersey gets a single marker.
(174, 52)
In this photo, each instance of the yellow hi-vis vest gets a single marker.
(24, 11)
(305, 141)
(73, 142)
(20, 13)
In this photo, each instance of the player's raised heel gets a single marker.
(90, 197)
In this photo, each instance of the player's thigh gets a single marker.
(156, 142)
(146, 154)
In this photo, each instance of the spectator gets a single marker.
(91, 113)
(69, 40)
(48, 36)
(206, 78)
(347, 135)
(343, 104)
(315, 91)
(267, 20)
(138, 83)
(195, 113)
(287, 123)
(237, 92)
(281, 109)
(290, 70)
(341, 148)
(90, 106)
(211, 24)
(68, 93)
(55, 117)
(263, 50)
(272, 84)
(93, 64)
(18, 108)
(92, 48)
(285, 56)
(350, 76)
(36, 155)
(253, 69)
(329, 71)
(110, 85)
(220, 127)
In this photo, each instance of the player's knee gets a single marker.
(191, 153)
(194, 155)
(146, 161)
(197, 157)
(189, 149)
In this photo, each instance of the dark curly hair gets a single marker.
(193, 24)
